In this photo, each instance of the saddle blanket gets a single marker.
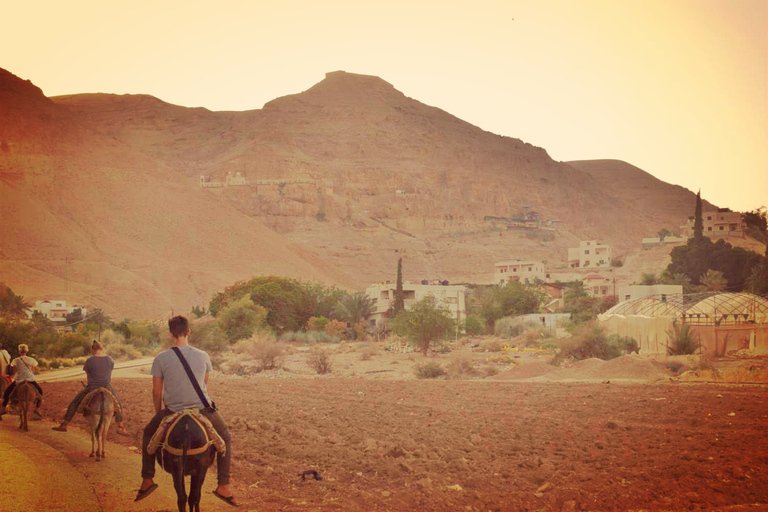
(159, 438)
(87, 401)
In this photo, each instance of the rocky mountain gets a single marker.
(103, 204)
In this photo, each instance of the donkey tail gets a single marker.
(101, 414)
(184, 448)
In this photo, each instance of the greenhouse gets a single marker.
(722, 322)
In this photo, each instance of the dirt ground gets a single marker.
(616, 435)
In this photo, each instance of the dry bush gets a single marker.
(492, 346)
(336, 328)
(489, 371)
(460, 366)
(268, 355)
(320, 361)
(430, 371)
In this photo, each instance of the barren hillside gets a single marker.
(353, 175)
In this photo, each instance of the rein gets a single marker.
(192, 451)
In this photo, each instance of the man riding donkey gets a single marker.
(98, 368)
(172, 384)
(5, 363)
(23, 370)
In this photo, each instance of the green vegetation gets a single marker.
(592, 342)
(399, 304)
(474, 325)
(682, 341)
(510, 299)
(424, 324)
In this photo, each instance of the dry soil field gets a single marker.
(587, 439)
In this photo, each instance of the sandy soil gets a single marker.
(483, 444)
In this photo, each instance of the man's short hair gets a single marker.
(23, 348)
(178, 325)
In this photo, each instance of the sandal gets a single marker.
(146, 492)
(123, 432)
(60, 428)
(229, 500)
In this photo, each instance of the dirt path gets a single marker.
(52, 472)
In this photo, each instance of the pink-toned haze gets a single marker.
(677, 88)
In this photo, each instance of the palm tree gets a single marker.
(756, 280)
(14, 306)
(355, 307)
(677, 278)
(713, 280)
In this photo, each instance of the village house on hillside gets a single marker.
(589, 254)
(231, 180)
(717, 223)
(598, 286)
(519, 270)
(448, 296)
(638, 291)
(54, 310)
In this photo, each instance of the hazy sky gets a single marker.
(677, 88)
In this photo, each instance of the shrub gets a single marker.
(123, 351)
(461, 366)
(268, 355)
(359, 329)
(309, 337)
(208, 336)
(317, 323)
(320, 361)
(67, 363)
(424, 323)
(617, 263)
(54, 363)
(625, 343)
(336, 328)
(492, 346)
(43, 363)
(490, 371)
(242, 318)
(430, 371)
(592, 344)
(508, 327)
(474, 325)
(682, 340)
(368, 353)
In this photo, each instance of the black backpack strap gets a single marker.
(191, 376)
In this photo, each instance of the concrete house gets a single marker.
(451, 297)
(524, 271)
(598, 286)
(717, 223)
(55, 310)
(589, 254)
(638, 291)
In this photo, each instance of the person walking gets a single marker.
(172, 386)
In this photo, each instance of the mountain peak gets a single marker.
(343, 89)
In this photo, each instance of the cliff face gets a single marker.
(352, 174)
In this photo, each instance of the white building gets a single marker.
(55, 310)
(589, 254)
(598, 286)
(519, 270)
(451, 297)
(638, 291)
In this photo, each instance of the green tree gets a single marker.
(677, 278)
(354, 307)
(474, 325)
(695, 258)
(399, 305)
(713, 280)
(12, 306)
(511, 299)
(648, 279)
(756, 282)
(199, 311)
(682, 340)
(239, 320)
(424, 322)
(74, 318)
(698, 220)
(663, 233)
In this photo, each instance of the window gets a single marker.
(586, 252)
(514, 269)
(626, 297)
(663, 297)
(709, 217)
(709, 228)
(586, 263)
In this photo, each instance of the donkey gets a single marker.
(3, 385)
(187, 452)
(99, 412)
(25, 394)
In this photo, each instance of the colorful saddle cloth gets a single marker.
(160, 437)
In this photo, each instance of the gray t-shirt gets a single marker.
(99, 370)
(23, 368)
(178, 392)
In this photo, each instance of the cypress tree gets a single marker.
(399, 301)
(698, 221)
